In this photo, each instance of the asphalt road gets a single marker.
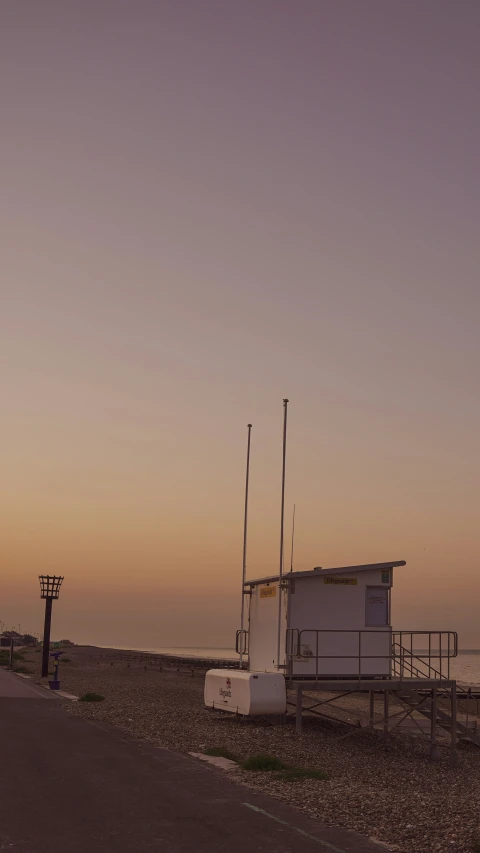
(13, 687)
(70, 785)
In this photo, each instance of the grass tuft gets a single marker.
(5, 656)
(92, 697)
(24, 670)
(284, 773)
(65, 660)
(295, 774)
(476, 847)
(220, 752)
(263, 763)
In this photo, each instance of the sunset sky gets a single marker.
(207, 206)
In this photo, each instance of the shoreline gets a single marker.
(161, 649)
(464, 680)
(382, 786)
(182, 653)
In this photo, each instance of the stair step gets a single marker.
(444, 720)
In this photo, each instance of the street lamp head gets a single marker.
(50, 585)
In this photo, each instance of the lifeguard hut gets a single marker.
(329, 631)
(329, 622)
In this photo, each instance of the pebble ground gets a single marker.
(384, 786)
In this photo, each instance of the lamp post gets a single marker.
(49, 589)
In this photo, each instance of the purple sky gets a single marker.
(207, 206)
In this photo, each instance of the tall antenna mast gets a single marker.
(293, 535)
(282, 523)
(244, 563)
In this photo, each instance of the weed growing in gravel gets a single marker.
(269, 763)
(476, 847)
(5, 657)
(24, 670)
(263, 763)
(294, 774)
(91, 697)
(220, 752)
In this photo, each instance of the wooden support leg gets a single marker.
(298, 708)
(372, 708)
(433, 727)
(453, 743)
(385, 711)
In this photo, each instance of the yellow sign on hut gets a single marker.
(341, 581)
(268, 591)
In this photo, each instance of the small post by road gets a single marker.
(10, 657)
(49, 589)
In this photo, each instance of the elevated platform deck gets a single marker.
(365, 685)
(433, 698)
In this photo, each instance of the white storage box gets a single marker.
(248, 693)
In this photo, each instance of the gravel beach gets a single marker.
(383, 786)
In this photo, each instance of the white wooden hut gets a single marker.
(333, 622)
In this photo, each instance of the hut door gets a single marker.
(376, 607)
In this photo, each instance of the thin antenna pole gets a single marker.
(244, 562)
(282, 524)
(293, 535)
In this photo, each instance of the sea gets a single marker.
(465, 668)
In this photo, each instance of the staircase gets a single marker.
(443, 718)
(423, 705)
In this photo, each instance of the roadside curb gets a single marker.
(61, 693)
(217, 761)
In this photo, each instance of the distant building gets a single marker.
(18, 639)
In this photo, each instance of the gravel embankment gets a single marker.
(381, 785)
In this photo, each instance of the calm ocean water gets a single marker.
(465, 668)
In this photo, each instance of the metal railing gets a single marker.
(241, 642)
(404, 660)
(441, 646)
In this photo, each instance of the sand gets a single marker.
(384, 786)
